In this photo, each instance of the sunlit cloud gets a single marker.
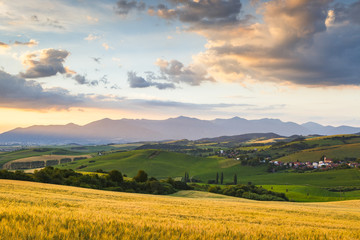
(106, 46)
(302, 42)
(92, 37)
(45, 63)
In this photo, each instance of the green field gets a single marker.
(301, 193)
(32, 152)
(331, 152)
(162, 164)
(308, 186)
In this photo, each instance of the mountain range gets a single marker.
(131, 130)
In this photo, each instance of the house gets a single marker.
(327, 160)
(315, 165)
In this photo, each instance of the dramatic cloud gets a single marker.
(173, 72)
(176, 72)
(347, 12)
(16, 92)
(139, 82)
(201, 13)
(304, 42)
(45, 63)
(124, 7)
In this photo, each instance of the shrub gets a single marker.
(141, 176)
(116, 176)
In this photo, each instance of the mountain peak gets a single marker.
(130, 130)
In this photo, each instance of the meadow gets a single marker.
(163, 164)
(42, 211)
(302, 193)
(332, 152)
(33, 152)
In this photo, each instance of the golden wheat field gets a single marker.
(43, 211)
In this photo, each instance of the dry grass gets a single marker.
(41, 211)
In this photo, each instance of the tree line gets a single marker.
(113, 181)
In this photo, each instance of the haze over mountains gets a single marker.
(131, 130)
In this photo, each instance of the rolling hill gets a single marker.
(163, 164)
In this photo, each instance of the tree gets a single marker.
(186, 178)
(222, 178)
(116, 176)
(235, 179)
(141, 176)
(217, 178)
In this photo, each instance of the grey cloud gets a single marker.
(83, 80)
(124, 7)
(175, 71)
(97, 59)
(185, 105)
(201, 13)
(34, 18)
(30, 43)
(345, 12)
(47, 63)
(136, 81)
(297, 23)
(104, 80)
(48, 21)
(306, 49)
(140, 82)
(20, 93)
(54, 23)
(16, 92)
(115, 86)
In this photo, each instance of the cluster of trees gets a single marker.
(250, 192)
(221, 181)
(114, 180)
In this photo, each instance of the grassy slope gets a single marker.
(332, 152)
(300, 193)
(42, 211)
(162, 164)
(347, 177)
(9, 156)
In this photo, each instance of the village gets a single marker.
(323, 164)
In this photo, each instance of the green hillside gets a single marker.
(335, 152)
(9, 156)
(300, 193)
(162, 164)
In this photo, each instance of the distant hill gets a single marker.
(131, 130)
(240, 138)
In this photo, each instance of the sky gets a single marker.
(78, 61)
